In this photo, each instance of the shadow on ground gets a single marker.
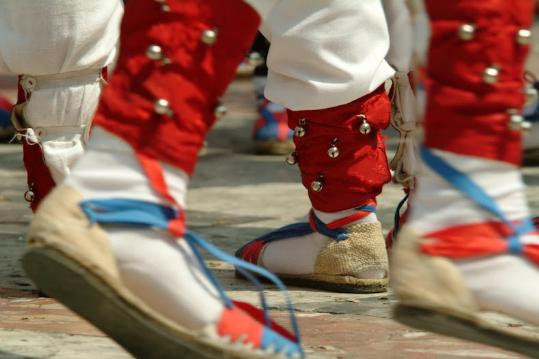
(7, 355)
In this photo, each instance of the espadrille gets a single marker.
(271, 134)
(432, 296)
(430, 283)
(69, 258)
(350, 251)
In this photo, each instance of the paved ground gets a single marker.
(234, 196)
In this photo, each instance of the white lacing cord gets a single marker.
(33, 136)
(30, 83)
(403, 119)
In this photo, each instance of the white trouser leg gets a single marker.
(325, 53)
(56, 45)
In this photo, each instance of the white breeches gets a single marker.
(324, 53)
(60, 47)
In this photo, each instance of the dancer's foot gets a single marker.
(323, 252)
(270, 132)
(468, 248)
(6, 128)
(110, 248)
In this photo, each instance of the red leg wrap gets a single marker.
(176, 61)
(354, 176)
(39, 178)
(38, 175)
(475, 70)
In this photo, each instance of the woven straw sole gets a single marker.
(134, 328)
(467, 326)
(432, 296)
(332, 283)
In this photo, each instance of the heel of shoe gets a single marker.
(364, 249)
(426, 281)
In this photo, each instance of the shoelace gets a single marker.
(474, 192)
(397, 218)
(134, 212)
(334, 230)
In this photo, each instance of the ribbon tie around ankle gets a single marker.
(336, 230)
(464, 241)
(172, 218)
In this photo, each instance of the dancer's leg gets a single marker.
(60, 51)
(115, 230)
(469, 245)
(332, 84)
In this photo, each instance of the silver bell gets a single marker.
(220, 110)
(515, 121)
(333, 151)
(209, 37)
(364, 126)
(525, 126)
(318, 184)
(162, 107)
(29, 196)
(299, 130)
(491, 75)
(466, 32)
(524, 37)
(255, 59)
(154, 52)
(164, 5)
(292, 158)
(531, 94)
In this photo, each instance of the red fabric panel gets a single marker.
(156, 177)
(464, 114)
(235, 322)
(357, 175)
(5, 104)
(258, 315)
(251, 252)
(474, 240)
(38, 176)
(192, 83)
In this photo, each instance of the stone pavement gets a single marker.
(234, 197)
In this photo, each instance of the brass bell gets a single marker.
(292, 158)
(491, 75)
(162, 107)
(209, 37)
(318, 184)
(220, 110)
(154, 52)
(29, 195)
(299, 130)
(466, 32)
(333, 151)
(524, 37)
(364, 126)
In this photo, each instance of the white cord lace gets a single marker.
(403, 119)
